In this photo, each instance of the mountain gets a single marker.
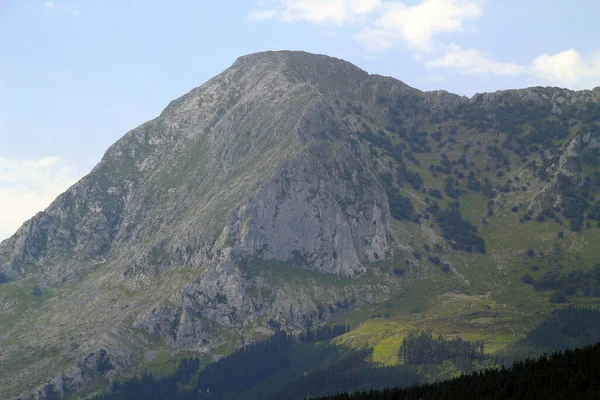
(295, 189)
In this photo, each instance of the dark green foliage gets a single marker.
(382, 142)
(511, 117)
(418, 141)
(103, 363)
(445, 166)
(400, 206)
(576, 283)
(36, 291)
(281, 367)
(590, 113)
(224, 379)
(323, 333)
(472, 183)
(590, 158)
(50, 392)
(284, 367)
(565, 328)
(437, 136)
(3, 278)
(529, 127)
(434, 260)
(221, 299)
(545, 131)
(558, 297)
(350, 374)
(402, 109)
(395, 152)
(461, 234)
(474, 115)
(435, 193)
(248, 366)
(573, 374)
(452, 188)
(412, 178)
(527, 279)
(579, 204)
(498, 155)
(424, 348)
(530, 253)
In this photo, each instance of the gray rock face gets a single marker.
(556, 96)
(348, 216)
(564, 171)
(177, 326)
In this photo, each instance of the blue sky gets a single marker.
(76, 75)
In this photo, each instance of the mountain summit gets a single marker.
(287, 191)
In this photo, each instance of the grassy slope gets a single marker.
(483, 297)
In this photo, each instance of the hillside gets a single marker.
(296, 189)
(308, 365)
(568, 375)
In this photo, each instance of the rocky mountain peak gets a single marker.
(296, 60)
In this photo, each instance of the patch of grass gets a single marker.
(22, 293)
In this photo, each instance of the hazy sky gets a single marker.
(76, 75)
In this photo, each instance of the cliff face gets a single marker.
(260, 199)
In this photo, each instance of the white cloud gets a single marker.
(380, 24)
(474, 62)
(29, 186)
(565, 69)
(568, 68)
(320, 12)
(55, 8)
(417, 25)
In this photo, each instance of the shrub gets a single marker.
(435, 260)
(570, 290)
(435, 193)
(527, 279)
(558, 298)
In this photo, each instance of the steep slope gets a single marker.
(290, 190)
